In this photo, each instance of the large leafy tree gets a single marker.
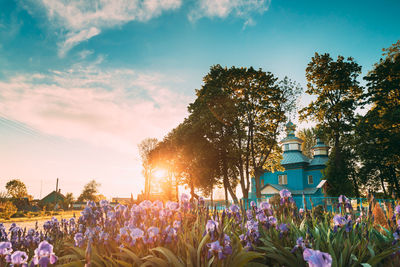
(16, 189)
(145, 147)
(241, 111)
(188, 156)
(89, 192)
(379, 129)
(335, 84)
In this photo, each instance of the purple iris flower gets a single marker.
(103, 203)
(169, 233)
(272, 220)
(397, 210)
(252, 226)
(299, 244)
(211, 226)
(5, 248)
(284, 193)
(261, 217)
(146, 204)
(172, 205)
(265, 206)
(215, 248)
(136, 233)
(234, 208)
(184, 197)
(158, 204)
(44, 254)
(316, 258)
(177, 224)
(339, 220)
(19, 258)
(283, 228)
(253, 204)
(249, 214)
(79, 239)
(152, 233)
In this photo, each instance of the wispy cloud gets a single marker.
(223, 8)
(116, 108)
(84, 19)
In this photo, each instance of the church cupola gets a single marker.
(291, 142)
(320, 149)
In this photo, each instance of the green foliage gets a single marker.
(361, 246)
(16, 189)
(231, 132)
(338, 95)
(378, 132)
(89, 191)
(7, 209)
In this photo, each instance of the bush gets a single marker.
(7, 209)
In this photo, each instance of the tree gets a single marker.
(89, 192)
(240, 112)
(145, 147)
(379, 130)
(16, 189)
(68, 200)
(308, 135)
(338, 93)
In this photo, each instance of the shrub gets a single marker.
(7, 209)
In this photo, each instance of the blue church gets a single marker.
(301, 175)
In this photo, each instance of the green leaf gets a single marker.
(171, 258)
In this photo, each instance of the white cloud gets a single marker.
(224, 8)
(83, 19)
(115, 108)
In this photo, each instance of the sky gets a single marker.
(82, 82)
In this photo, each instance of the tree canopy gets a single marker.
(89, 191)
(16, 189)
(338, 92)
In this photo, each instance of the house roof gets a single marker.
(291, 157)
(321, 184)
(53, 197)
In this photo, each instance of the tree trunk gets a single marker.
(212, 196)
(356, 190)
(257, 175)
(226, 195)
(227, 184)
(395, 181)
(194, 195)
(383, 186)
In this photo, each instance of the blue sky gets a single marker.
(82, 82)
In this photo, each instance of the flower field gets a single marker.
(190, 234)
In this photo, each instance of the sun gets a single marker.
(160, 173)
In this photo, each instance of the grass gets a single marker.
(58, 214)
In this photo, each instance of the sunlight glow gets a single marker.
(160, 173)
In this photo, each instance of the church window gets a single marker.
(310, 179)
(282, 179)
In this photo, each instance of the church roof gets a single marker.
(291, 157)
(319, 160)
(291, 138)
